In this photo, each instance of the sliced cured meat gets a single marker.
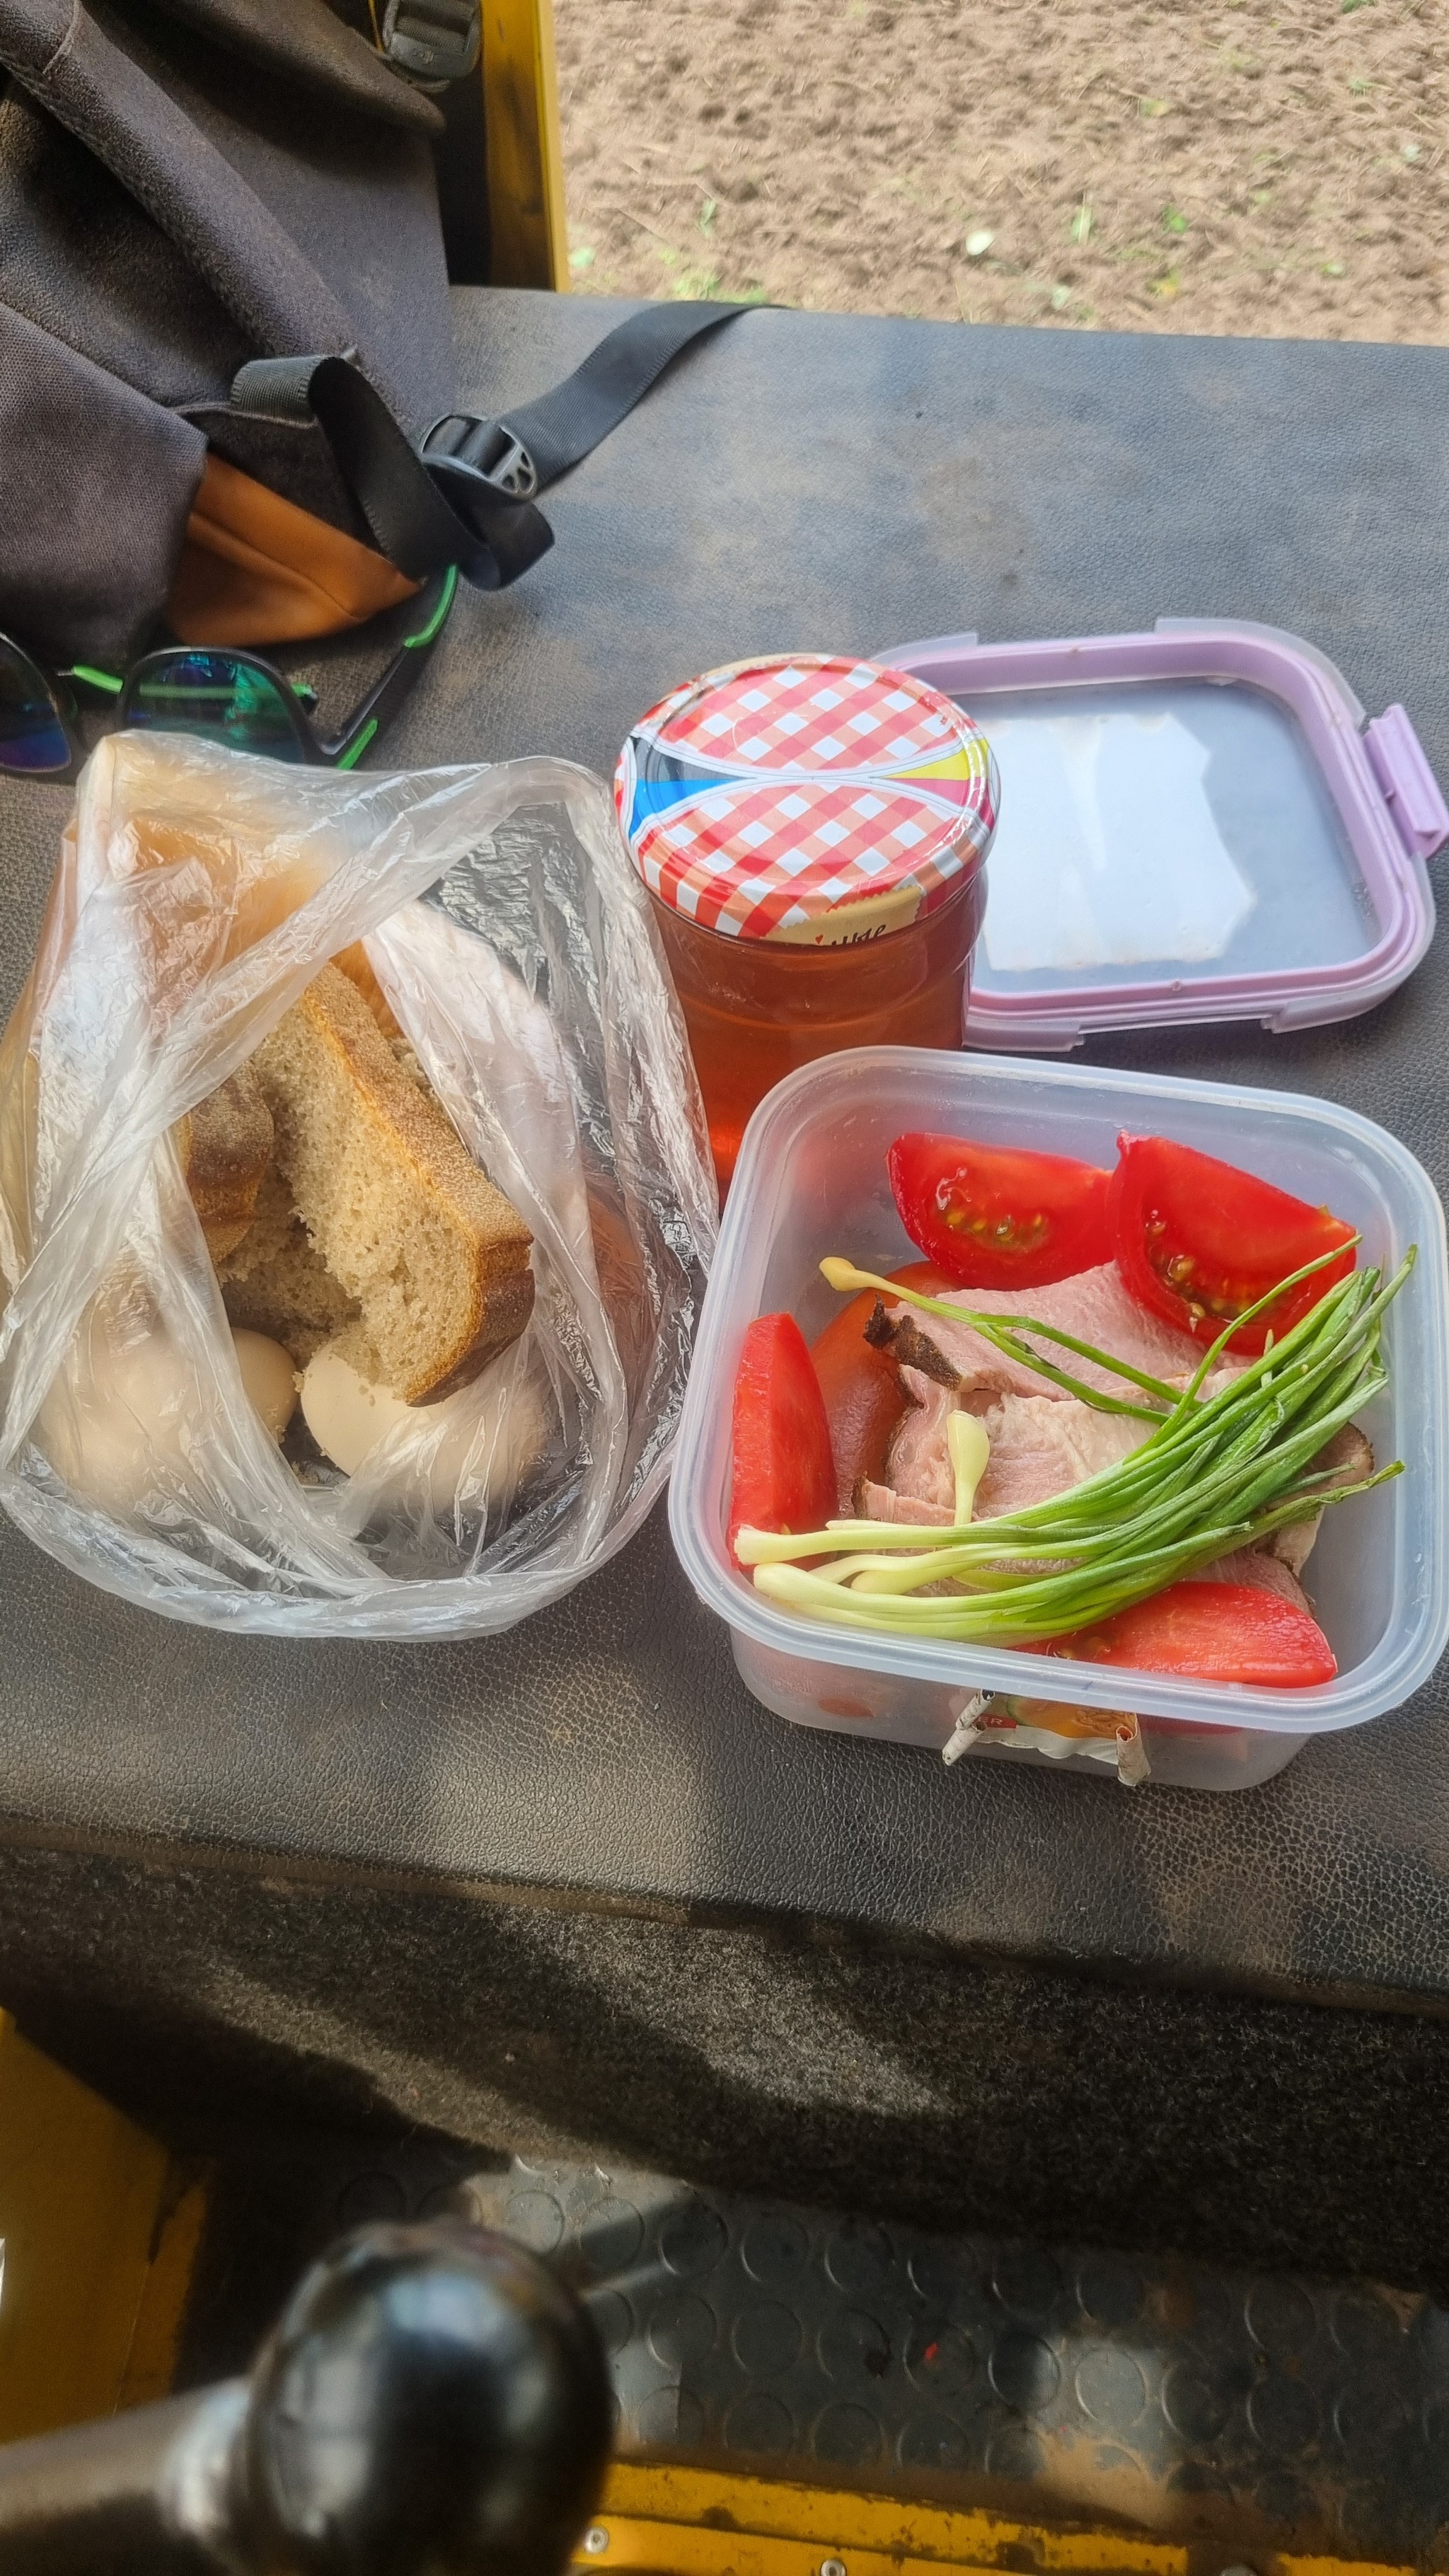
(918, 1461)
(1044, 1441)
(882, 1503)
(950, 1355)
(1041, 1445)
(1260, 1568)
(1094, 1306)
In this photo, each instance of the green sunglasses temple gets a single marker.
(397, 681)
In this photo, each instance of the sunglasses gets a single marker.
(233, 698)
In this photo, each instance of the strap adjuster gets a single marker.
(461, 448)
(431, 42)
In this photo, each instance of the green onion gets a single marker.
(1215, 1473)
(1002, 1332)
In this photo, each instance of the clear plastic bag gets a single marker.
(199, 892)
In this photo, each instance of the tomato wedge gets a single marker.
(991, 1216)
(1210, 1632)
(860, 1385)
(1197, 1241)
(784, 1475)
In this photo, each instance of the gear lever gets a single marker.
(430, 2399)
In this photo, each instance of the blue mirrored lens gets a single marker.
(219, 696)
(32, 737)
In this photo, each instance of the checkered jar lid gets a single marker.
(806, 798)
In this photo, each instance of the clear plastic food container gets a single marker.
(811, 1180)
(1197, 824)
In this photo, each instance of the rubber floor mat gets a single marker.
(1075, 2382)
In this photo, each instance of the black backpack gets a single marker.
(227, 402)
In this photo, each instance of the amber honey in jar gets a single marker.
(813, 831)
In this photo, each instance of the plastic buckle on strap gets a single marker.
(431, 41)
(463, 447)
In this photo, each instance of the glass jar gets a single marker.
(755, 1010)
(813, 831)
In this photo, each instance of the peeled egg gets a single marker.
(345, 1415)
(500, 1423)
(126, 1437)
(268, 1376)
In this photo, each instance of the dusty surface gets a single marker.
(1229, 165)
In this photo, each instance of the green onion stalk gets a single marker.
(1216, 1472)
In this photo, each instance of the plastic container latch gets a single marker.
(1411, 790)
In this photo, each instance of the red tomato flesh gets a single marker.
(1197, 1241)
(862, 1391)
(992, 1217)
(784, 1475)
(1209, 1632)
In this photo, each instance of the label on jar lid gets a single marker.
(805, 798)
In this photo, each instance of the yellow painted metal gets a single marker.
(1327, 2567)
(665, 2521)
(528, 226)
(97, 2250)
(151, 2361)
(665, 2549)
(657, 2520)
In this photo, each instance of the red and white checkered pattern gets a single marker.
(748, 860)
(811, 714)
(800, 785)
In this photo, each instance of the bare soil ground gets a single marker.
(1276, 166)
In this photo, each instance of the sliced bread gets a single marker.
(275, 1283)
(408, 1226)
(356, 965)
(225, 1145)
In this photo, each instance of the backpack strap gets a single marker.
(466, 493)
(558, 429)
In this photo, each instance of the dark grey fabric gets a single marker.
(114, 473)
(312, 47)
(181, 191)
(83, 261)
(185, 184)
(352, 199)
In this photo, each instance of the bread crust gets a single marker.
(356, 965)
(403, 1133)
(225, 1145)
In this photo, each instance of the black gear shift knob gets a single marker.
(431, 2399)
(432, 2403)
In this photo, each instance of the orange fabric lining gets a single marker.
(255, 569)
